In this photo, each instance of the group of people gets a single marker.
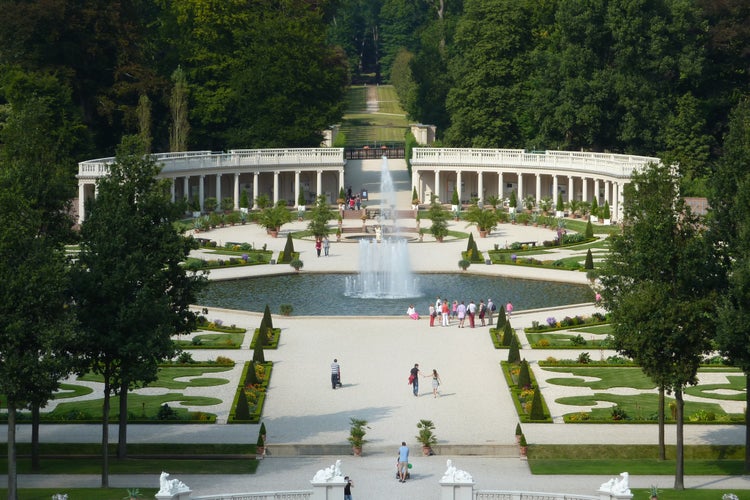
(444, 312)
(352, 201)
(324, 244)
(414, 375)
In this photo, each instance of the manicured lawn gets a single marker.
(213, 341)
(168, 376)
(606, 377)
(562, 340)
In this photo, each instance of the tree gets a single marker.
(589, 262)
(524, 376)
(143, 114)
(131, 291)
(659, 283)
(320, 214)
(484, 218)
(36, 185)
(272, 218)
(514, 355)
(439, 217)
(179, 130)
(730, 204)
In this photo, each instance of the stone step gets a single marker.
(298, 450)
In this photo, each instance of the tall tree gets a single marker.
(321, 213)
(36, 185)
(730, 202)
(179, 128)
(659, 283)
(131, 292)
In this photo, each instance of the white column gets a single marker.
(571, 194)
(584, 189)
(81, 201)
(237, 191)
(296, 188)
(341, 183)
(480, 186)
(458, 187)
(554, 192)
(186, 188)
(520, 188)
(256, 181)
(596, 192)
(319, 184)
(201, 188)
(607, 198)
(171, 189)
(218, 190)
(275, 187)
(437, 184)
(616, 202)
(500, 185)
(538, 188)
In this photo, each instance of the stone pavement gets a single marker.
(474, 414)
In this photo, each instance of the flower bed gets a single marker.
(272, 341)
(523, 396)
(553, 324)
(255, 394)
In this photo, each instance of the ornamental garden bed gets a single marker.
(526, 395)
(247, 406)
(567, 323)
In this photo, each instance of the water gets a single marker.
(325, 294)
(384, 267)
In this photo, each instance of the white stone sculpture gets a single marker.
(171, 486)
(617, 485)
(332, 473)
(453, 475)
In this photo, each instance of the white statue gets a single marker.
(171, 486)
(617, 485)
(329, 474)
(378, 233)
(453, 475)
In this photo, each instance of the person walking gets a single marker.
(471, 310)
(318, 245)
(326, 245)
(335, 373)
(509, 308)
(414, 379)
(482, 311)
(445, 312)
(348, 488)
(403, 461)
(435, 383)
(491, 308)
(454, 310)
(433, 313)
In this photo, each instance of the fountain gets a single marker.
(384, 267)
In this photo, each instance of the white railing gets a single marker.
(527, 495)
(269, 495)
(615, 165)
(207, 162)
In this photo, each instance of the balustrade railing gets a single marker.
(527, 495)
(268, 495)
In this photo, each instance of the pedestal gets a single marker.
(456, 491)
(329, 490)
(183, 495)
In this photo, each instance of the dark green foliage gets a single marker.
(508, 334)
(589, 262)
(514, 354)
(589, 232)
(414, 195)
(320, 214)
(454, 199)
(605, 211)
(537, 409)
(267, 318)
(262, 430)
(439, 217)
(166, 412)
(258, 355)
(519, 432)
(513, 200)
(287, 254)
(524, 377)
(244, 200)
(242, 410)
(251, 377)
(560, 203)
(259, 442)
(501, 319)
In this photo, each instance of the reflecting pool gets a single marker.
(324, 294)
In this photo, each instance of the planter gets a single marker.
(274, 233)
(426, 451)
(357, 451)
(196, 214)
(260, 452)
(483, 234)
(522, 450)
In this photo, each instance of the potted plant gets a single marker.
(426, 436)
(513, 203)
(654, 493)
(455, 203)
(464, 264)
(227, 204)
(296, 264)
(357, 433)
(523, 447)
(519, 433)
(484, 219)
(132, 494)
(439, 228)
(209, 204)
(262, 430)
(494, 201)
(272, 218)
(286, 309)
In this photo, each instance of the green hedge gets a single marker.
(516, 391)
(272, 343)
(256, 413)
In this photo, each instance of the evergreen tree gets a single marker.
(589, 263)
(514, 355)
(258, 354)
(470, 244)
(507, 333)
(595, 205)
(455, 199)
(501, 320)
(560, 203)
(288, 253)
(242, 411)
(589, 232)
(537, 409)
(244, 200)
(251, 377)
(513, 200)
(524, 377)
(267, 317)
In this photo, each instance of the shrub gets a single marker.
(619, 414)
(524, 377)
(578, 340)
(286, 309)
(286, 255)
(185, 358)
(584, 358)
(543, 343)
(166, 413)
(196, 341)
(514, 356)
(251, 377)
(242, 410)
(589, 263)
(537, 409)
(223, 360)
(507, 333)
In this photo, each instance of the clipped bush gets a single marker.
(507, 333)
(166, 413)
(589, 263)
(258, 355)
(242, 410)
(524, 377)
(537, 409)
(251, 377)
(288, 253)
(514, 355)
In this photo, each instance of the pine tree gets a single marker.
(514, 355)
(589, 263)
(507, 333)
(242, 411)
(537, 410)
(524, 377)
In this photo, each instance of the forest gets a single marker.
(651, 77)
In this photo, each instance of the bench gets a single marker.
(528, 243)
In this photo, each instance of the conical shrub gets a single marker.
(286, 255)
(537, 410)
(514, 354)
(500, 316)
(267, 317)
(507, 333)
(589, 263)
(242, 412)
(258, 355)
(524, 377)
(251, 377)
(589, 233)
